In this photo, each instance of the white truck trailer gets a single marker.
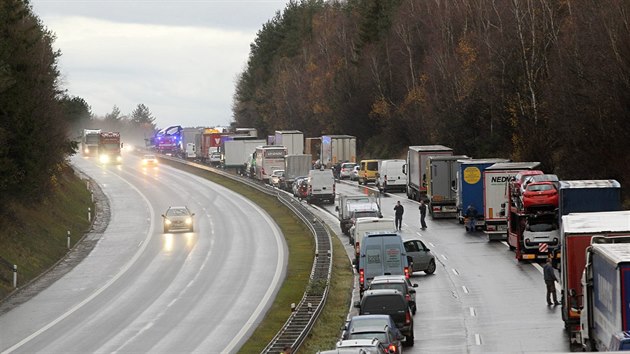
(295, 166)
(236, 153)
(338, 148)
(442, 185)
(416, 168)
(293, 140)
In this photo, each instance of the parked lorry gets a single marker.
(208, 142)
(109, 147)
(581, 205)
(496, 180)
(89, 142)
(295, 166)
(442, 185)
(470, 188)
(236, 153)
(313, 147)
(606, 289)
(293, 140)
(533, 227)
(345, 208)
(416, 168)
(338, 148)
(188, 143)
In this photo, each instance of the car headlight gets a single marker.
(144, 162)
(119, 158)
(188, 221)
(167, 221)
(104, 159)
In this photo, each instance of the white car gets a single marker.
(275, 178)
(178, 218)
(346, 170)
(355, 173)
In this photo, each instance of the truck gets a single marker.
(533, 227)
(470, 187)
(268, 159)
(89, 142)
(313, 147)
(295, 166)
(109, 148)
(416, 168)
(442, 185)
(167, 140)
(338, 148)
(344, 208)
(236, 153)
(188, 143)
(208, 142)
(292, 139)
(606, 288)
(581, 205)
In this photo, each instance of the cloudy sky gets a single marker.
(180, 58)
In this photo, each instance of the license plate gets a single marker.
(502, 227)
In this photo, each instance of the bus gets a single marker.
(268, 159)
(89, 142)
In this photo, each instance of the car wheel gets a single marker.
(165, 229)
(192, 229)
(409, 339)
(431, 268)
(413, 309)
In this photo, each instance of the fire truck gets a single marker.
(167, 140)
(533, 230)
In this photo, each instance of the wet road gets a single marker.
(480, 299)
(141, 290)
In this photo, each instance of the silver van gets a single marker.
(382, 253)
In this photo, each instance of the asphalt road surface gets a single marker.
(141, 290)
(480, 299)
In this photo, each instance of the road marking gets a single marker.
(465, 289)
(432, 245)
(505, 243)
(443, 257)
(455, 271)
(472, 311)
(418, 233)
(477, 339)
(122, 271)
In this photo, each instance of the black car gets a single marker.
(389, 302)
(397, 282)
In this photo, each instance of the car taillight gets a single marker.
(361, 277)
(391, 349)
(408, 297)
(407, 317)
(407, 275)
(357, 248)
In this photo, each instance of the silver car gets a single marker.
(178, 218)
(420, 257)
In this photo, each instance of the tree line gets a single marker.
(40, 123)
(530, 80)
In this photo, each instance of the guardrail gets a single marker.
(299, 324)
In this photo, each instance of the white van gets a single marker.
(368, 224)
(391, 177)
(321, 186)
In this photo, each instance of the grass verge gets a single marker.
(34, 236)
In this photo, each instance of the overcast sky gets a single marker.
(180, 58)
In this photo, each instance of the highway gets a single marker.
(480, 299)
(141, 290)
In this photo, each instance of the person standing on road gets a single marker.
(471, 216)
(550, 281)
(399, 213)
(423, 214)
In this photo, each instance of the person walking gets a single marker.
(423, 214)
(399, 213)
(550, 281)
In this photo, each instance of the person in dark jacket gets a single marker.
(550, 280)
(423, 214)
(399, 213)
(471, 216)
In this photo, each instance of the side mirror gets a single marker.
(193, 214)
(357, 304)
(336, 208)
(163, 215)
(380, 215)
(415, 286)
(412, 291)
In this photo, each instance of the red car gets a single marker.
(520, 178)
(540, 194)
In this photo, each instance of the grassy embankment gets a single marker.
(34, 236)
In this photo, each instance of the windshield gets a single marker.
(396, 286)
(369, 335)
(177, 212)
(539, 187)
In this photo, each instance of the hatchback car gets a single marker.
(346, 170)
(149, 160)
(381, 327)
(538, 194)
(178, 218)
(276, 177)
(355, 173)
(397, 282)
(420, 257)
(364, 345)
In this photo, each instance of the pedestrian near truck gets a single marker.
(471, 216)
(423, 214)
(399, 213)
(550, 282)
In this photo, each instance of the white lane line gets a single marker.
(443, 257)
(432, 245)
(419, 234)
(122, 271)
(477, 338)
(472, 311)
(455, 271)
(465, 289)
(505, 243)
